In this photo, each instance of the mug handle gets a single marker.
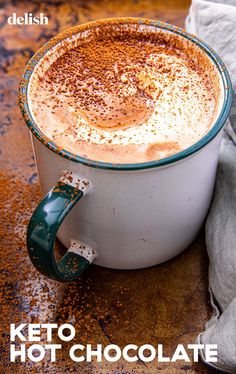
(43, 227)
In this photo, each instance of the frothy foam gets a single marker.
(124, 97)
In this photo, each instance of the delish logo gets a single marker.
(28, 19)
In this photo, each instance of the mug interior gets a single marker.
(193, 48)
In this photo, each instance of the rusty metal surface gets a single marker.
(165, 304)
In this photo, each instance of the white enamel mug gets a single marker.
(124, 216)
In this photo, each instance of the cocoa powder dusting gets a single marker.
(116, 90)
(107, 63)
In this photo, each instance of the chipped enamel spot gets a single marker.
(83, 250)
(75, 181)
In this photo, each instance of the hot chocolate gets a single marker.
(123, 94)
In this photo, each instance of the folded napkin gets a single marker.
(214, 21)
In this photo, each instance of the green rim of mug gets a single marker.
(227, 101)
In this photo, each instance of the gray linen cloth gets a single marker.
(214, 21)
